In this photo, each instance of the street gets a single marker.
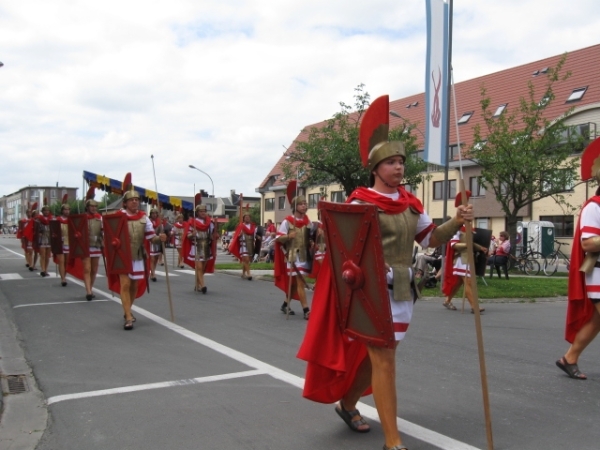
(224, 375)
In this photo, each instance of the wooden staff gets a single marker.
(162, 244)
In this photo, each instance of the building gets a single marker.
(581, 92)
(13, 205)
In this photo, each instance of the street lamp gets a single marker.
(213, 184)
(395, 114)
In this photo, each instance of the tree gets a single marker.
(524, 156)
(233, 222)
(331, 153)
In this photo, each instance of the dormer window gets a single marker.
(465, 117)
(577, 94)
(500, 110)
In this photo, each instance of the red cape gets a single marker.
(114, 282)
(209, 266)
(579, 308)
(234, 247)
(333, 359)
(280, 271)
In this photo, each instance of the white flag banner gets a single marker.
(436, 82)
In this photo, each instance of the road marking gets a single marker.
(163, 274)
(192, 272)
(165, 384)
(421, 433)
(60, 303)
(10, 276)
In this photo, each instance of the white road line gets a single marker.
(171, 274)
(59, 303)
(143, 387)
(12, 251)
(423, 434)
(10, 276)
(191, 272)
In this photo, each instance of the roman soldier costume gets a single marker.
(43, 237)
(177, 233)
(243, 243)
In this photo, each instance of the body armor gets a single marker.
(249, 241)
(398, 234)
(299, 245)
(95, 231)
(137, 229)
(44, 234)
(64, 230)
(202, 242)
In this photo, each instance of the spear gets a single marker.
(162, 244)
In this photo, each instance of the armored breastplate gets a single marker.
(64, 232)
(398, 235)
(44, 234)
(137, 230)
(95, 232)
(249, 241)
(299, 245)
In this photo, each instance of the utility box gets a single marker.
(543, 236)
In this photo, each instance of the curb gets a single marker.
(24, 415)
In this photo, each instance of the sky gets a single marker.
(151, 87)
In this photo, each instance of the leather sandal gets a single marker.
(450, 306)
(570, 369)
(353, 424)
(128, 325)
(395, 447)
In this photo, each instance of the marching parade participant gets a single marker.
(293, 253)
(242, 244)
(131, 280)
(155, 249)
(200, 244)
(43, 237)
(22, 233)
(342, 369)
(177, 234)
(62, 258)
(91, 262)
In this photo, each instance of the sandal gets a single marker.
(450, 306)
(128, 325)
(355, 425)
(570, 369)
(395, 447)
(480, 311)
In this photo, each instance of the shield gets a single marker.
(353, 242)
(482, 237)
(79, 240)
(56, 244)
(117, 244)
(36, 236)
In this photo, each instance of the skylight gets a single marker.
(577, 94)
(500, 110)
(465, 117)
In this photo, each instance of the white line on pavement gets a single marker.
(58, 303)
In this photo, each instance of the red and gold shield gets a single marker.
(356, 256)
(117, 244)
(56, 244)
(79, 241)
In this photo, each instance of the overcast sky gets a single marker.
(224, 85)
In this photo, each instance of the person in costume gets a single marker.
(31, 235)
(583, 306)
(319, 250)
(92, 262)
(177, 234)
(242, 245)
(43, 236)
(141, 233)
(61, 260)
(22, 234)
(200, 246)
(341, 369)
(293, 257)
(456, 258)
(155, 249)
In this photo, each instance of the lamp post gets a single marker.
(395, 114)
(211, 181)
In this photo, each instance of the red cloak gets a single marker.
(579, 308)
(280, 271)
(234, 247)
(186, 246)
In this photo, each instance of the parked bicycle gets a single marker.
(528, 262)
(555, 258)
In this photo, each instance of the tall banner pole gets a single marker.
(162, 244)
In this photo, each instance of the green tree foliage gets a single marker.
(233, 222)
(524, 156)
(331, 152)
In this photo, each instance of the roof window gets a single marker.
(577, 94)
(500, 110)
(465, 117)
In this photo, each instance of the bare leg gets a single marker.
(383, 381)
(153, 262)
(586, 335)
(87, 275)
(301, 292)
(200, 273)
(360, 384)
(35, 258)
(94, 271)
(62, 268)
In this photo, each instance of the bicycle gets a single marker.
(528, 262)
(554, 259)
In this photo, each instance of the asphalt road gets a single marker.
(225, 375)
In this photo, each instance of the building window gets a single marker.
(500, 110)
(438, 186)
(269, 204)
(476, 188)
(563, 225)
(52, 193)
(454, 149)
(338, 197)
(281, 202)
(465, 117)
(313, 200)
(577, 94)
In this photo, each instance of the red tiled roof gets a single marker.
(506, 86)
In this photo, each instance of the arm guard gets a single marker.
(445, 231)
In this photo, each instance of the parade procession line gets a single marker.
(421, 433)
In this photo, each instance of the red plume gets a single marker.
(65, 198)
(34, 206)
(374, 126)
(89, 195)
(291, 190)
(590, 154)
(198, 199)
(126, 182)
